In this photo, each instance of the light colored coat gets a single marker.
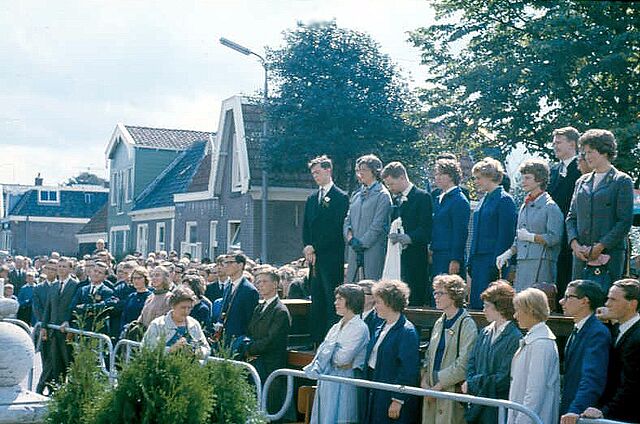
(163, 329)
(537, 263)
(452, 370)
(535, 376)
(368, 220)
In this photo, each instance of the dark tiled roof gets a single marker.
(174, 179)
(97, 223)
(163, 138)
(253, 134)
(73, 204)
(200, 181)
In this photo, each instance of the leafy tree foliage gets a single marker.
(505, 72)
(337, 94)
(88, 179)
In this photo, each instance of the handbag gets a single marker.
(549, 289)
(598, 272)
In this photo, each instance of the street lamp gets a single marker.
(245, 51)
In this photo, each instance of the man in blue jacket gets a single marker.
(586, 355)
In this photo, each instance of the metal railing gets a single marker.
(128, 344)
(502, 405)
(598, 421)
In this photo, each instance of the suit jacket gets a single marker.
(585, 367)
(451, 225)
(322, 226)
(494, 224)
(623, 381)
(40, 298)
(60, 305)
(269, 332)
(88, 306)
(238, 308)
(561, 188)
(18, 278)
(214, 290)
(368, 220)
(603, 214)
(397, 362)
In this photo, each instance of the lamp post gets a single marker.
(245, 51)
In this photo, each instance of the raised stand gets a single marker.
(16, 404)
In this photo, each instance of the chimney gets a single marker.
(38, 180)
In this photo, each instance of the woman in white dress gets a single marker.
(342, 353)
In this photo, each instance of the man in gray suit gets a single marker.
(58, 312)
(40, 299)
(367, 223)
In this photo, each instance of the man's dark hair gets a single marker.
(631, 289)
(323, 161)
(239, 257)
(353, 296)
(394, 170)
(591, 290)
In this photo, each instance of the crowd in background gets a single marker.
(403, 246)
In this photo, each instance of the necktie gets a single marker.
(563, 169)
(320, 195)
(572, 338)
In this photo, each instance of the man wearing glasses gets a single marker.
(586, 354)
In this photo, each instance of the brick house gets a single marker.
(221, 208)
(137, 156)
(43, 219)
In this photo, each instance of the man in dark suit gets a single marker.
(90, 301)
(239, 300)
(623, 379)
(59, 312)
(215, 285)
(562, 181)
(40, 298)
(414, 207)
(18, 276)
(324, 215)
(586, 354)
(269, 331)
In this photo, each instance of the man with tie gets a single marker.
(40, 299)
(414, 207)
(562, 181)
(91, 301)
(586, 354)
(324, 214)
(59, 312)
(18, 276)
(215, 286)
(622, 390)
(239, 300)
(268, 331)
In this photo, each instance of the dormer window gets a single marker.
(48, 196)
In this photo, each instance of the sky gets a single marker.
(72, 70)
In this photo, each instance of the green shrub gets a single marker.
(156, 387)
(77, 400)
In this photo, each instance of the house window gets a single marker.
(236, 172)
(213, 238)
(191, 244)
(48, 196)
(160, 236)
(113, 192)
(129, 184)
(121, 186)
(143, 239)
(88, 198)
(233, 235)
(191, 234)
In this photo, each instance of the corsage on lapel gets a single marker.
(325, 201)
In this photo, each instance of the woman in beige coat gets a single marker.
(452, 340)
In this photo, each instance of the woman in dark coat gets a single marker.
(489, 367)
(392, 357)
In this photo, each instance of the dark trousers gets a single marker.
(46, 376)
(564, 272)
(324, 278)
(61, 355)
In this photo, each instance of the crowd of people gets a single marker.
(368, 257)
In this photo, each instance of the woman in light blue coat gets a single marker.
(342, 354)
(367, 223)
(539, 230)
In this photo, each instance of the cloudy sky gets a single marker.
(73, 69)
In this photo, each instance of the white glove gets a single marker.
(524, 235)
(503, 259)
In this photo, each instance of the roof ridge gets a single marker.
(151, 186)
(168, 129)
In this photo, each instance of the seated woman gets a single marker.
(489, 367)
(134, 303)
(540, 227)
(452, 339)
(535, 369)
(392, 357)
(342, 354)
(157, 304)
(177, 329)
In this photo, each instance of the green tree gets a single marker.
(504, 72)
(337, 94)
(88, 179)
